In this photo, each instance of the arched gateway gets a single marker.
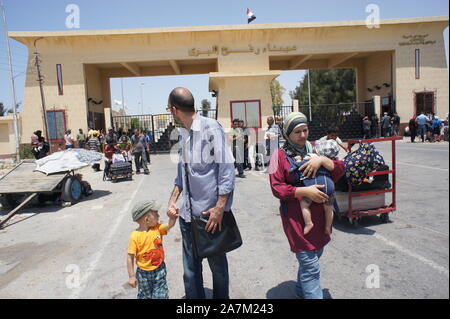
(402, 61)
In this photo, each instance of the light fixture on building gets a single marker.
(369, 89)
(378, 87)
(386, 85)
(94, 101)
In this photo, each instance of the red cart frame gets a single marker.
(355, 215)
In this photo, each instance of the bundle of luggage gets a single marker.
(358, 164)
(121, 170)
(117, 170)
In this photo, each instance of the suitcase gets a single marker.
(121, 170)
(379, 182)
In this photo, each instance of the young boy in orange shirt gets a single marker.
(146, 247)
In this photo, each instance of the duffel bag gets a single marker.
(362, 161)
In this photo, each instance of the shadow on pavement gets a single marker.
(208, 294)
(98, 193)
(344, 225)
(286, 290)
(34, 208)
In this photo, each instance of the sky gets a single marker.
(49, 15)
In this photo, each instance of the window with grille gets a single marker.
(424, 102)
(248, 111)
(56, 125)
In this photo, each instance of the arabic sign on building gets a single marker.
(416, 40)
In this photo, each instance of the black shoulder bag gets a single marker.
(207, 244)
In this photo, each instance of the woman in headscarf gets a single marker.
(308, 248)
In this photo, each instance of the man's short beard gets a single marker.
(176, 119)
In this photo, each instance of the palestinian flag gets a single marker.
(250, 16)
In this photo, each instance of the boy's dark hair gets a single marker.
(333, 129)
(235, 121)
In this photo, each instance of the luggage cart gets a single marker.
(21, 184)
(355, 215)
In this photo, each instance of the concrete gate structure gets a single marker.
(403, 61)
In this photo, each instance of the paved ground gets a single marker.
(80, 251)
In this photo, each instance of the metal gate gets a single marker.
(347, 117)
(158, 127)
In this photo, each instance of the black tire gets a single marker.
(72, 190)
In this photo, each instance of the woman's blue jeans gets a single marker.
(193, 270)
(308, 278)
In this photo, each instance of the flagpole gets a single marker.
(16, 126)
(309, 97)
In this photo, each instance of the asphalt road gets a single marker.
(80, 251)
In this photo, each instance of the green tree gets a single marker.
(335, 86)
(327, 87)
(276, 91)
(2, 109)
(135, 123)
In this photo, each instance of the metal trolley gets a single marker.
(21, 184)
(355, 215)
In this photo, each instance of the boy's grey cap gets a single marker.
(141, 208)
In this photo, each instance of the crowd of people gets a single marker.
(387, 126)
(428, 127)
(129, 144)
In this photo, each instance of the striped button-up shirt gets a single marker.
(210, 167)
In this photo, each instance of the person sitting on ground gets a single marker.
(329, 149)
(146, 246)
